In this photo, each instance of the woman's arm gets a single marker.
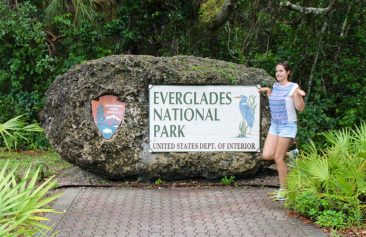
(298, 100)
(265, 89)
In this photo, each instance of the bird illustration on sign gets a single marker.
(247, 107)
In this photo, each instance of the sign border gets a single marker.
(150, 86)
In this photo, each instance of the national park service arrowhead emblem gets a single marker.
(108, 113)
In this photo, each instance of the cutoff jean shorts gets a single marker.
(288, 129)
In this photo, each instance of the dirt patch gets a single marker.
(75, 176)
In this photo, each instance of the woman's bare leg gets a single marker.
(282, 146)
(269, 148)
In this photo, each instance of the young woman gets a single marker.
(284, 99)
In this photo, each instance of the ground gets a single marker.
(68, 175)
(74, 176)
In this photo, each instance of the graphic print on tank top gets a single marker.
(277, 103)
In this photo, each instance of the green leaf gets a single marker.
(20, 203)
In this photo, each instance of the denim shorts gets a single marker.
(288, 129)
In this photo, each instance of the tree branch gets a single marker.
(343, 29)
(223, 15)
(311, 77)
(308, 10)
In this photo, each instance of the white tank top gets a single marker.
(282, 104)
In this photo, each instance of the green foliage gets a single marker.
(313, 121)
(266, 61)
(88, 41)
(22, 202)
(209, 9)
(258, 33)
(228, 180)
(158, 181)
(16, 130)
(25, 66)
(331, 218)
(329, 185)
(26, 69)
(155, 28)
(83, 11)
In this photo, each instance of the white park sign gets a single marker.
(204, 118)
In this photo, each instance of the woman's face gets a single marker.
(281, 73)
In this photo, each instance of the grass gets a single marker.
(50, 161)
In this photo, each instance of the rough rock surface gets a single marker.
(71, 130)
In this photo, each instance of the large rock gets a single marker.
(71, 130)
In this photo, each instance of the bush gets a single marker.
(329, 185)
(21, 203)
(26, 68)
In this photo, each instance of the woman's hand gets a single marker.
(265, 89)
(300, 92)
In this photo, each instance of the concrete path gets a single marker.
(219, 211)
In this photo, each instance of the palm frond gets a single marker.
(333, 179)
(81, 10)
(56, 8)
(341, 142)
(310, 149)
(359, 136)
(15, 130)
(319, 169)
(84, 11)
(22, 202)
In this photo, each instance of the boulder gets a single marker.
(69, 124)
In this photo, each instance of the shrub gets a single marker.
(26, 67)
(21, 203)
(329, 185)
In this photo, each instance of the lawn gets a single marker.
(50, 161)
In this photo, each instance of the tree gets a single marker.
(100, 114)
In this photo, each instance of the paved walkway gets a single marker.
(219, 211)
